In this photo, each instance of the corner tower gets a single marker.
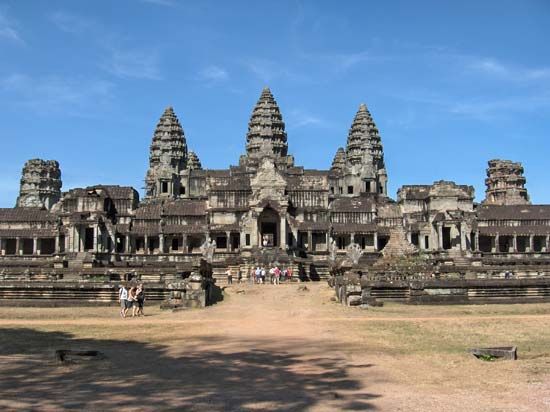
(40, 184)
(167, 157)
(266, 135)
(505, 184)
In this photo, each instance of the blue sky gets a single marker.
(450, 84)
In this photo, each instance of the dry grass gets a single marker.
(275, 348)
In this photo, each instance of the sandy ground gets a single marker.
(276, 348)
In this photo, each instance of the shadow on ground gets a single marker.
(206, 374)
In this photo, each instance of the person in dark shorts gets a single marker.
(140, 299)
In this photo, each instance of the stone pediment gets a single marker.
(268, 183)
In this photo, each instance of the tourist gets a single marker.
(289, 274)
(271, 275)
(258, 275)
(229, 276)
(276, 275)
(130, 301)
(252, 277)
(140, 299)
(122, 297)
(239, 275)
(262, 276)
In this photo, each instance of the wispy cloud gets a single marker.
(164, 3)
(8, 29)
(119, 60)
(139, 64)
(301, 118)
(213, 74)
(76, 97)
(500, 69)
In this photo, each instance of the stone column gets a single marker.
(531, 243)
(309, 241)
(228, 242)
(57, 243)
(375, 240)
(35, 250)
(515, 243)
(127, 246)
(352, 238)
(184, 243)
(2, 249)
(547, 248)
(146, 244)
(497, 241)
(161, 243)
(282, 241)
(18, 250)
(439, 236)
(96, 234)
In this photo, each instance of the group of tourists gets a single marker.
(274, 275)
(260, 275)
(131, 297)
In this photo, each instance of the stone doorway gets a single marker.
(268, 227)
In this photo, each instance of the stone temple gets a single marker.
(267, 209)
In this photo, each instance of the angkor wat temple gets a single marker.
(269, 208)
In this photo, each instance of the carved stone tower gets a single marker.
(167, 158)
(266, 135)
(361, 166)
(40, 184)
(505, 184)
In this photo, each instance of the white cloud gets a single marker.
(117, 59)
(164, 3)
(8, 30)
(493, 67)
(213, 74)
(300, 118)
(139, 64)
(77, 96)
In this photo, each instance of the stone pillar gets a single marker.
(35, 250)
(375, 235)
(127, 246)
(282, 241)
(2, 249)
(531, 243)
(463, 237)
(439, 236)
(515, 243)
(18, 250)
(57, 243)
(352, 238)
(161, 243)
(476, 241)
(228, 242)
(309, 241)
(184, 243)
(497, 241)
(96, 234)
(146, 244)
(547, 247)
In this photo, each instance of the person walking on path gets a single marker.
(132, 301)
(140, 299)
(229, 276)
(122, 298)
(276, 275)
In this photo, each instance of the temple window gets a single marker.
(350, 190)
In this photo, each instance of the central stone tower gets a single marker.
(266, 135)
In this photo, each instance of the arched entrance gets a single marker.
(268, 227)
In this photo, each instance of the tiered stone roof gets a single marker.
(505, 183)
(339, 161)
(40, 184)
(168, 147)
(364, 144)
(266, 129)
(193, 162)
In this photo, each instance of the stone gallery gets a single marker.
(268, 210)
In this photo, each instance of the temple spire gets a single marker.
(167, 157)
(266, 136)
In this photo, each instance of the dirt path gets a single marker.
(268, 348)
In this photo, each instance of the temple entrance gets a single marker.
(268, 227)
